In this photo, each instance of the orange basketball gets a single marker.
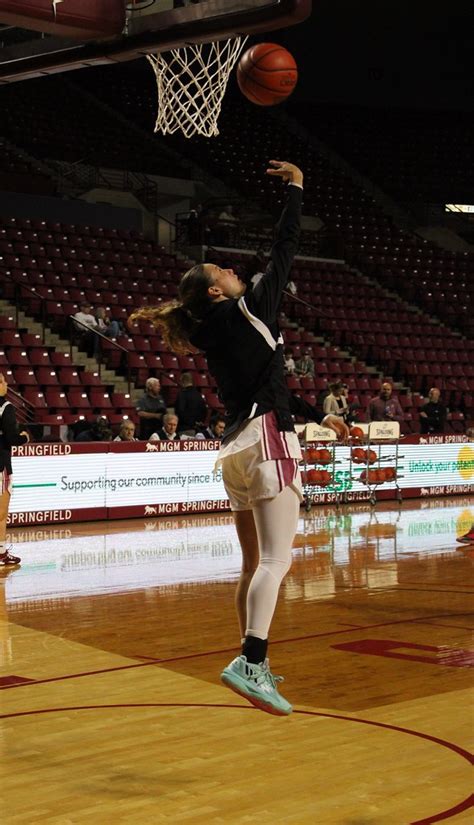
(325, 457)
(358, 455)
(267, 74)
(371, 456)
(311, 455)
(356, 432)
(325, 478)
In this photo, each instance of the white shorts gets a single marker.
(247, 479)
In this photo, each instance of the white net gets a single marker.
(191, 84)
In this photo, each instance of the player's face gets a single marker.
(227, 281)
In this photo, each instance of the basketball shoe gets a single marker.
(7, 560)
(467, 538)
(257, 684)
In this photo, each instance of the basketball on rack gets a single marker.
(267, 74)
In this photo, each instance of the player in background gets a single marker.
(9, 437)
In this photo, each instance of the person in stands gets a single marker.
(189, 406)
(384, 407)
(169, 430)
(126, 432)
(151, 408)
(433, 413)
(215, 429)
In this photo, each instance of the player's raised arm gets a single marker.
(264, 300)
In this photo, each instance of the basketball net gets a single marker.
(191, 84)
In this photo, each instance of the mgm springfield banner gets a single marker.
(96, 481)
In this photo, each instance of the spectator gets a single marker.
(190, 406)
(150, 408)
(336, 402)
(383, 407)
(305, 365)
(98, 431)
(227, 224)
(216, 427)
(105, 325)
(433, 413)
(126, 432)
(84, 328)
(169, 430)
(290, 365)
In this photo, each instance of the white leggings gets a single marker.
(276, 520)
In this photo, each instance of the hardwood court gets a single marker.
(112, 637)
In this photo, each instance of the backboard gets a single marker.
(79, 33)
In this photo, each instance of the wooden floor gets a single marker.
(112, 637)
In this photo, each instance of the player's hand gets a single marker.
(27, 435)
(334, 423)
(3, 385)
(287, 171)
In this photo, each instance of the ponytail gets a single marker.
(178, 320)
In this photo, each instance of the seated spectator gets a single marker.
(433, 413)
(290, 365)
(169, 430)
(126, 432)
(216, 427)
(150, 408)
(190, 406)
(84, 328)
(305, 365)
(383, 407)
(336, 402)
(98, 431)
(105, 325)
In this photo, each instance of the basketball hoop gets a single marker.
(191, 84)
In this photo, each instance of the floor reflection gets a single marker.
(352, 547)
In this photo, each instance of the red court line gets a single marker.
(464, 805)
(451, 626)
(442, 584)
(158, 661)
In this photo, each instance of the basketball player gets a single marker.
(9, 437)
(237, 329)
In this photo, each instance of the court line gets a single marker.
(442, 584)
(451, 626)
(212, 653)
(464, 805)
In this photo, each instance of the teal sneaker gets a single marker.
(257, 684)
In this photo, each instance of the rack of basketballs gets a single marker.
(319, 464)
(376, 469)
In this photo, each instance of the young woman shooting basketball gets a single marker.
(237, 329)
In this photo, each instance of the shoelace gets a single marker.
(265, 675)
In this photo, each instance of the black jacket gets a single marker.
(241, 338)
(9, 435)
(190, 408)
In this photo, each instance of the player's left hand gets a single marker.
(3, 385)
(334, 423)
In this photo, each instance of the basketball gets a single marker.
(267, 74)
(357, 432)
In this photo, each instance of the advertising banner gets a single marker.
(67, 482)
